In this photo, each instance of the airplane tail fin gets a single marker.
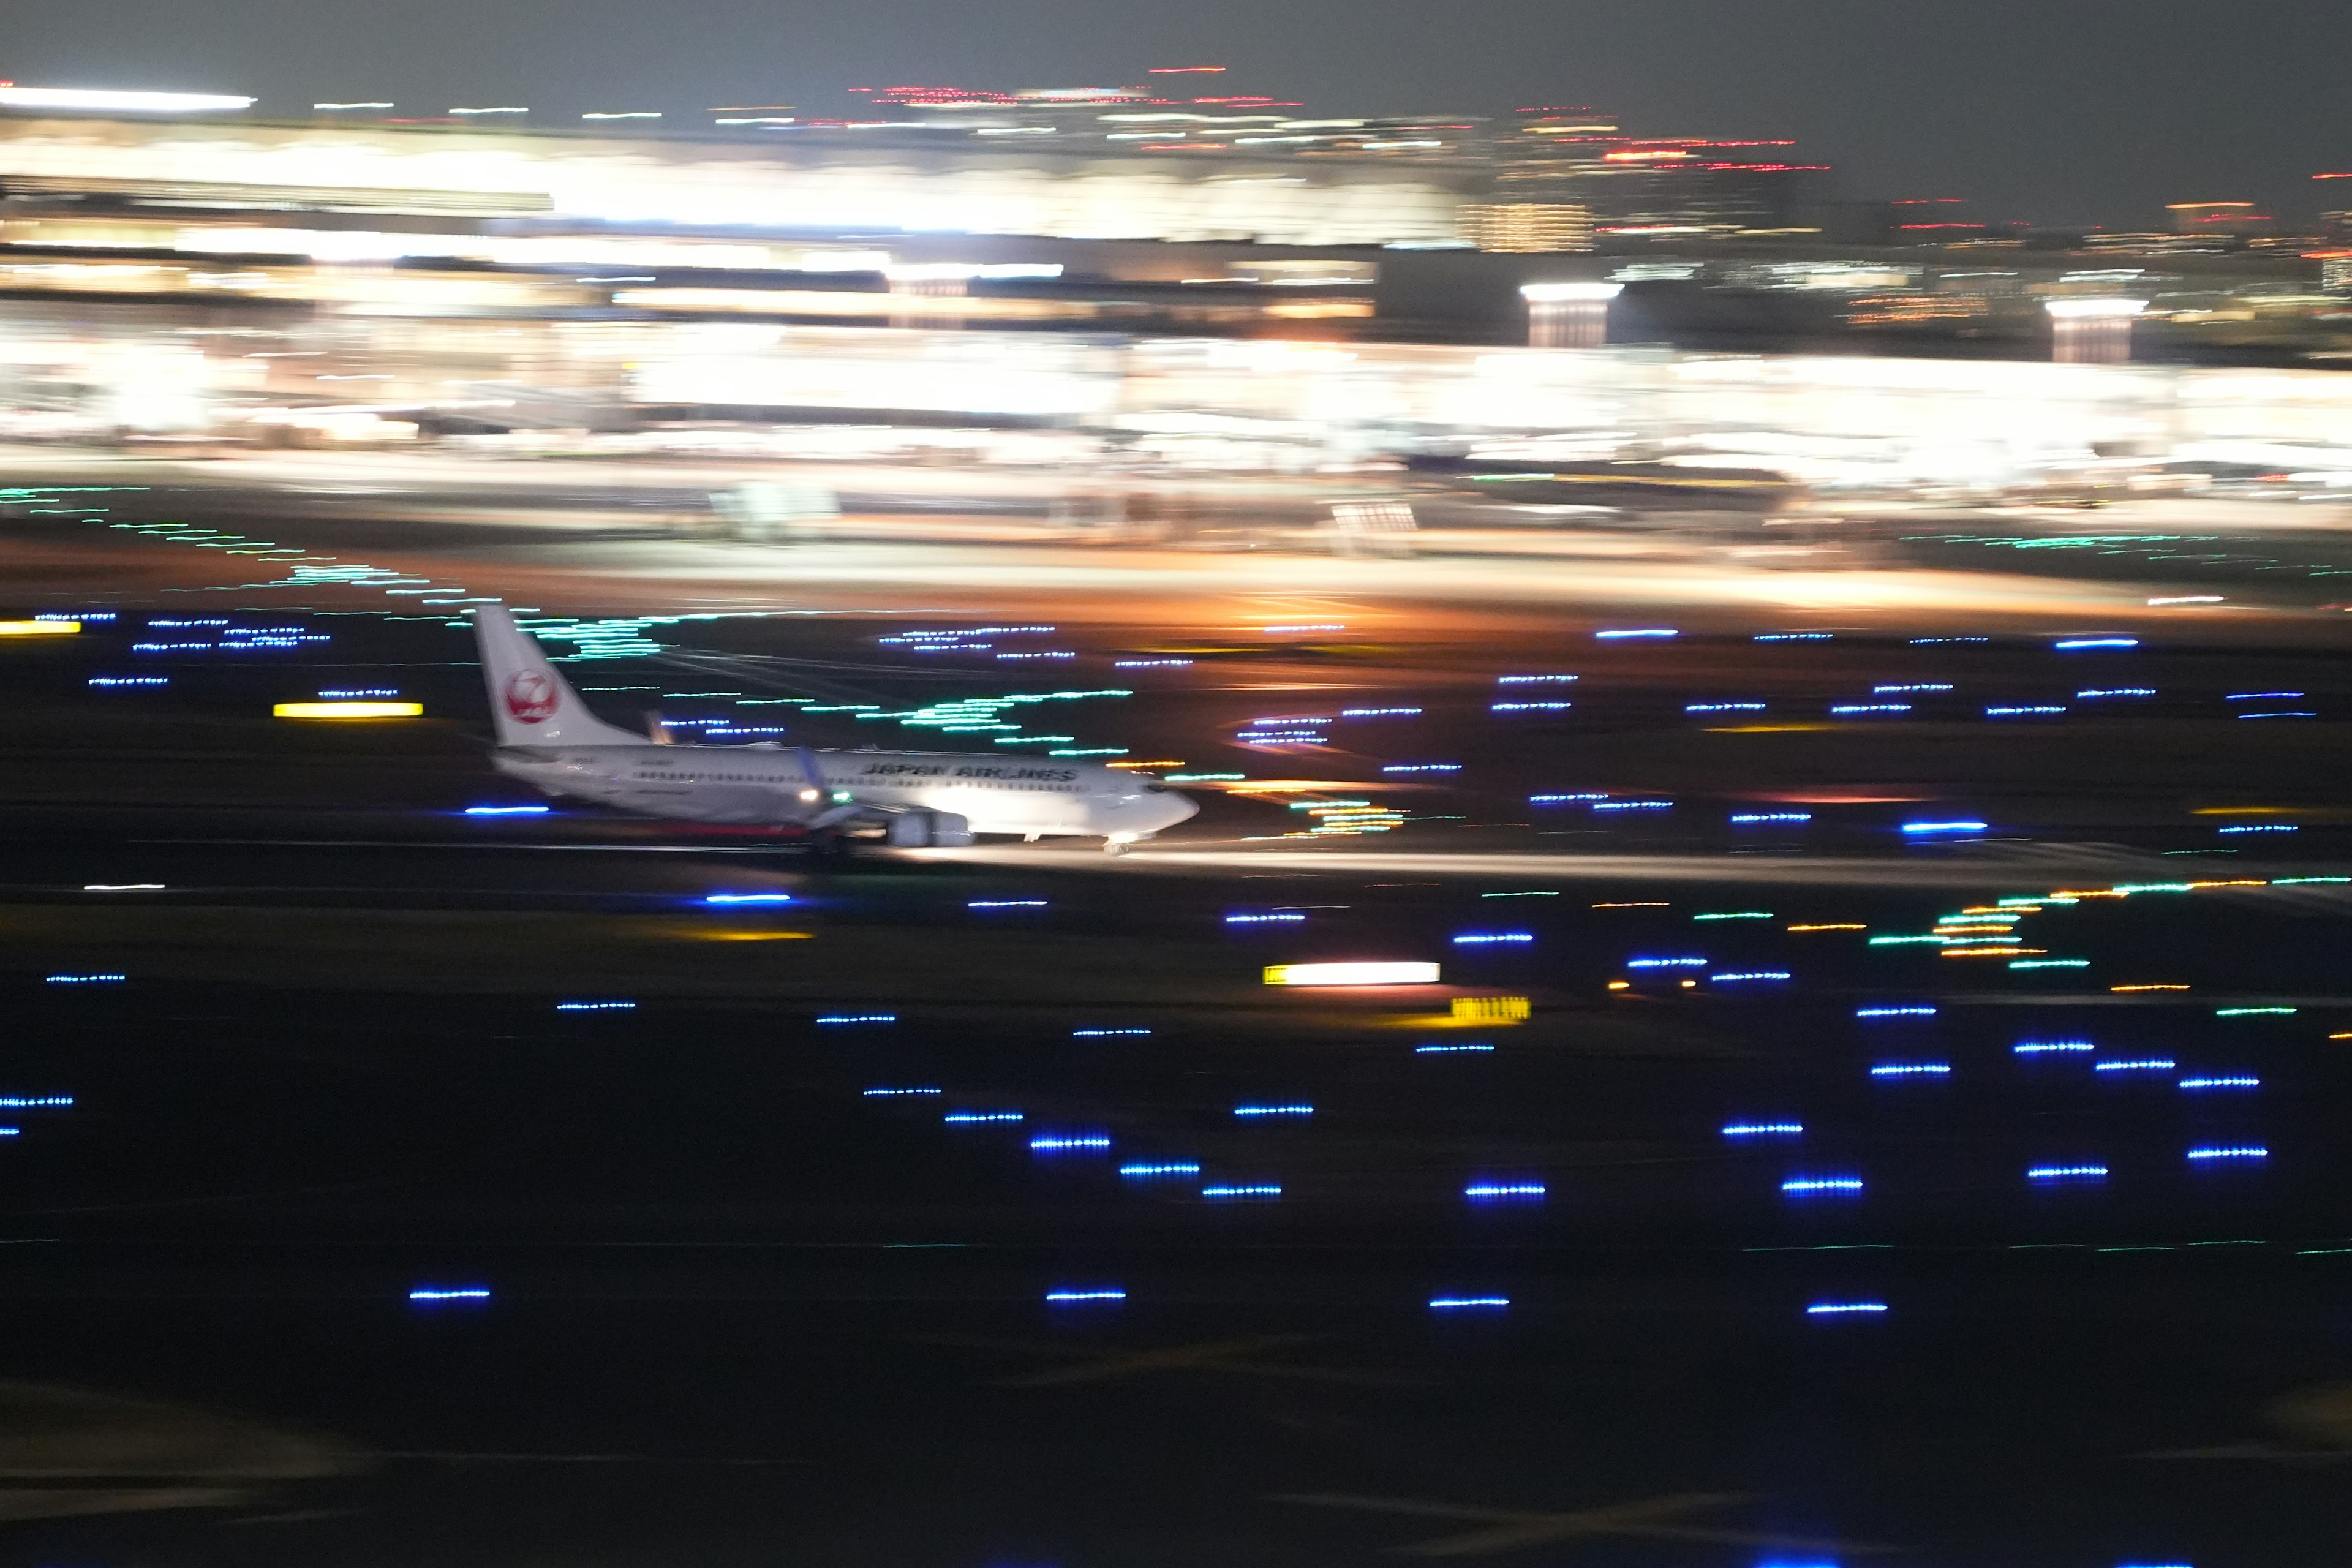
(530, 701)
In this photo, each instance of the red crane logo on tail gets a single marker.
(530, 697)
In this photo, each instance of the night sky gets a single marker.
(2052, 112)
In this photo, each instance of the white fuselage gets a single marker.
(1034, 797)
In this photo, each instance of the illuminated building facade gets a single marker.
(1664, 187)
(1273, 197)
(1527, 227)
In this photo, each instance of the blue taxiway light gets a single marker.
(1665, 963)
(1846, 708)
(1098, 1034)
(2045, 1048)
(2138, 1064)
(37, 1101)
(506, 810)
(2066, 1173)
(595, 1007)
(1274, 1110)
(1447, 1049)
(1483, 1191)
(1265, 920)
(890, 1093)
(459, 1293)
(1920, 1010)
(1956, 827)
(1805, 1187)
(1006, 904)
(83, 979)
(2199, 1085)
(1791, 636)
(1747, 818)
(1466, 1303)
(1258, 1190)
(1060, 1143)
(2229, 1152)
(1489, 938)
(1835, 1309)
(858, 1019)
(1637, 632)
(1750, 975)
(2264, 828)
(1912, 1070)
(2098, 691)
(1148, 1169)
(744, 898)
(975, 1118)
(1764, 1129)
(1073, 1298)
(1633, 805)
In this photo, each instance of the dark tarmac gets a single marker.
(325, 1040)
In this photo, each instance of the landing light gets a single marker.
(1351, 973)
(348, 711)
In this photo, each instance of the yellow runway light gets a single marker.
(38, 629)
(1492, 1009)
(348, 711)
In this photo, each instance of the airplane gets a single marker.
(547, 738)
